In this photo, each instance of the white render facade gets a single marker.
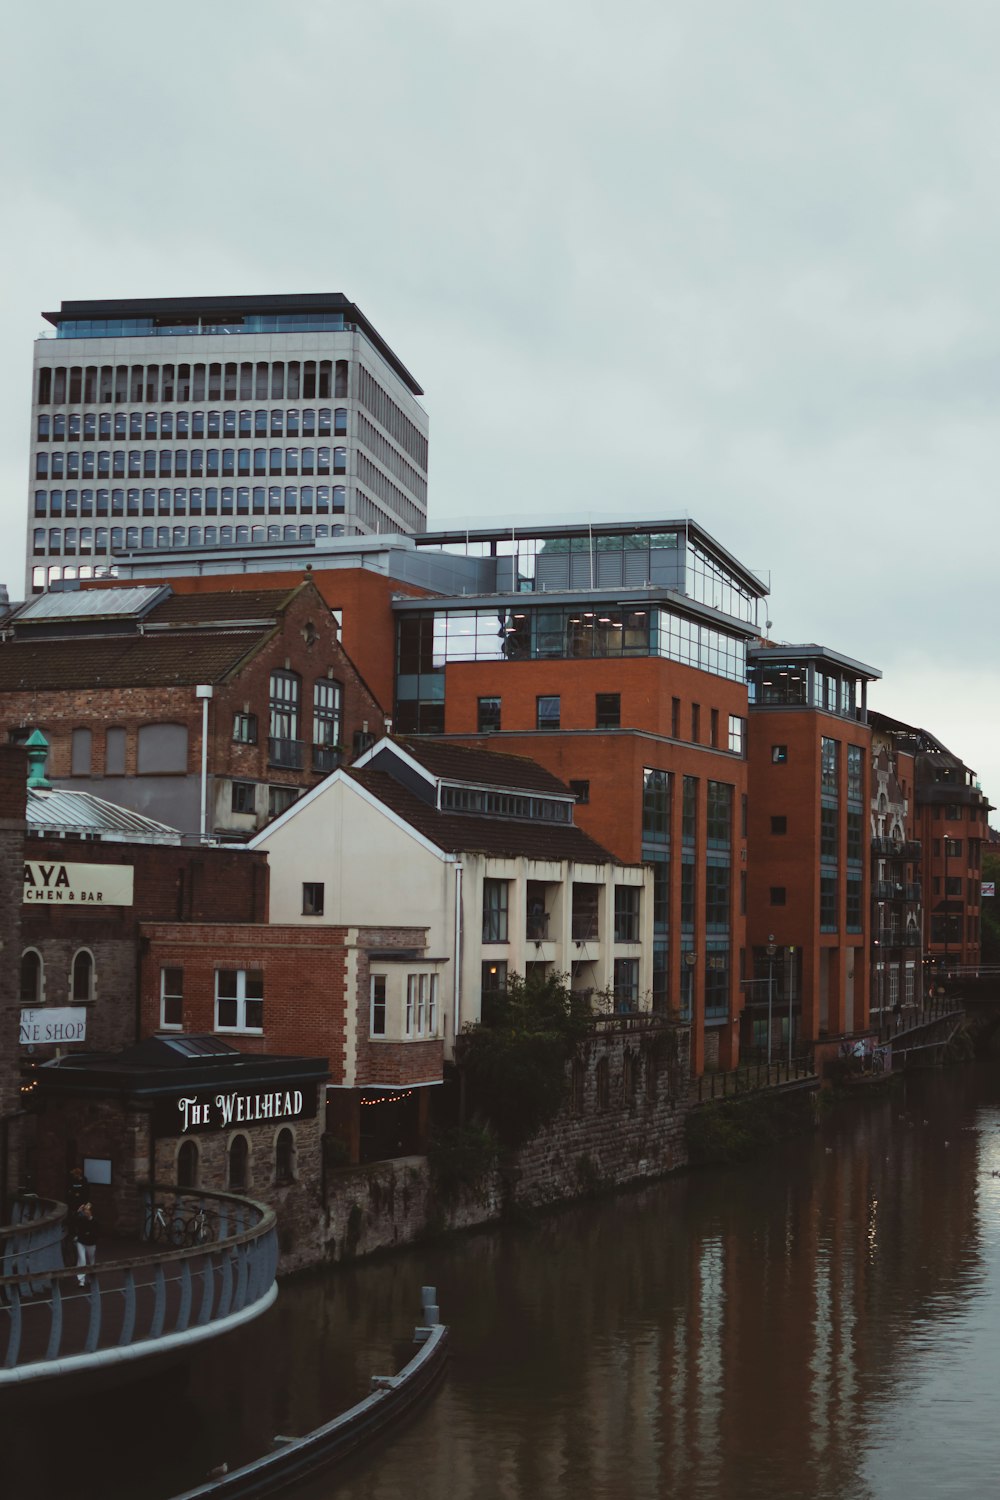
(208, 423)
(378, 871)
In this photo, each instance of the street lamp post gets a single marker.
(771, 950)
(791, 995)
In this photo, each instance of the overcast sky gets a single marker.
(732, 260)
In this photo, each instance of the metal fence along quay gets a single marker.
(156, 1299)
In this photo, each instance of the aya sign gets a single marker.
(50, 1025)
(77, 885)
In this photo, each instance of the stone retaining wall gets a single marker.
(623, 1122)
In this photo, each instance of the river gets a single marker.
(824, 1322)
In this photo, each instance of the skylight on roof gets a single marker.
(91, 604)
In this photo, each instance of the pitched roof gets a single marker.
(469, 832)
(59, 811)
(514, 773)
(217, 607)
(165, 660)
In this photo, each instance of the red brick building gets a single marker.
(306, 990)
(122, 680)
(808, 846)
(950, 819)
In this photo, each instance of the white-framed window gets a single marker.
(171, 999)
(239, 1000)
(378, 1004)
(894, 985)
(421, 1005)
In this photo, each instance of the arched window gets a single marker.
(31, 977)
(239, 1158)
(601, 1080)
(284, 1156)
(83, 976)
(187, 1164)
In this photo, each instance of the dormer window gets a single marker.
(505, 804)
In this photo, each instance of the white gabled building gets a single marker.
(481, 850)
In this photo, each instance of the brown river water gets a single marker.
(823, 1322)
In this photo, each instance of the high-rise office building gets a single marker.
(228, 421)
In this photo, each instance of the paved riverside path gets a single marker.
(36, 1306)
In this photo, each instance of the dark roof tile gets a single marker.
(232, 604)
(483, 767)
(456, 832)
(124, 661)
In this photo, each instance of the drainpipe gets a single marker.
(204, 691)
(458, 950)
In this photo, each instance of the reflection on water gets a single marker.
(824, 1323)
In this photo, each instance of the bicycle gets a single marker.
(161, 1229)
(200, 1228)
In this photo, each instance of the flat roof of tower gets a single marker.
(179, 309)
(552, 530)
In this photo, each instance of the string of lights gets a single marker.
(389, 1098)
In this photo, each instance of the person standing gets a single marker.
(86, 1239)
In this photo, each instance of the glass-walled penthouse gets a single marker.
(428, 639)
(674, 555)
(809, 677)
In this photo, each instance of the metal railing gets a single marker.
(134, 1304)
(753, 1076)
(326, 758)
(286, 753)
(32, 1241)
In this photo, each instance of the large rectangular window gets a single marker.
(239, 1000)
(495, 896)
(853, 894)
(327, 696)
(626, 984)
(285, 748)
(421, 1005)
(655, 807)
(488, 716)
(829, 757)
(717, 883)
(828, 821)
(827, 903)
(720, 815)
(547, 712)
(627, 913)
(855, 773)
(608, 711)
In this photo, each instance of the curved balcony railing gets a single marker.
(144, 1303)
(32, 1242)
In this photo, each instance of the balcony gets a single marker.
(908, 849)
(326, 758)
(150, 1301)
(285, 753)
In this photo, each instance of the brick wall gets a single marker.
(74, 1128)
(364, 599)
(623, 1123)
(304, 641)
(303, 970)
(170, 881)
(396, 1062)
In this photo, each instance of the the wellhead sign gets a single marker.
(56, 883)
(224, 1109)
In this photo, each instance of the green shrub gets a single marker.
(460, 1159)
